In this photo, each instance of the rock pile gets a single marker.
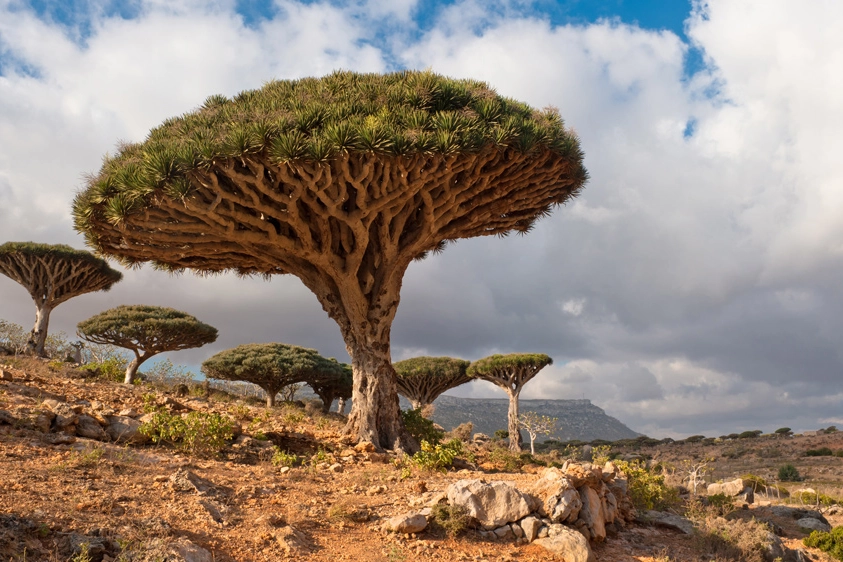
(562, 511)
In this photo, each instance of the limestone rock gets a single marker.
(185, 551)
(504, 533)
(811, 524)
(796, 513)
(365, 447)
(186, 481)
(88, 427)
(44, 421)
(592, 513)
(531, 525)
(123, 429)
(731, 488)
(408, 523)
(584, 475)
(567, 544)
(492, 505)
(556, 496)
(517, 530)
(669, 521)
(292, 541)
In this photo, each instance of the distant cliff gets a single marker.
(578, 419)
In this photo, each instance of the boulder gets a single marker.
(555, 497)
(88, 427)
(796, 513)
(408, 523)
(731, 488)
(492, 505)
(809, 524)
(584, 475)
(669, 521)
(186, 481)
(592, 513)
(504, 533)
(44, 421)
(567, 544)
(531, 525)
(123, 429)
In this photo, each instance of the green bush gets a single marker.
(283, 458)
(437, 457)
(722, 503)
(821, 452)
(453, 519)
(506, 459)
(646, 489)
(832, 542)
(420, 427)
(789, 473)
(111, 368)
(501, 434)
(198, 433)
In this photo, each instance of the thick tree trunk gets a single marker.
(341, 406)
(270, 396)
(514, 429)
(132, 369)
(38, 335)
(327, 399)
(375, 415)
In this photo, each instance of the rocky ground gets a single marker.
(77, 482)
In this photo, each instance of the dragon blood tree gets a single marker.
(271, 366)
(334, 383)
(422, 379)
(341, 181)
(510, 372)
(53, 274)
(146, 331)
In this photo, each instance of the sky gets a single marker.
(694, 286)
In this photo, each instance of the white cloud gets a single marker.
(693, 284)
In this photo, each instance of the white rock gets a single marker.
(531, 526)
(492, 505)
(407, 523)
(568, 544)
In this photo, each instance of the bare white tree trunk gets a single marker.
(38, 335)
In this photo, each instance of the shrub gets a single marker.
(736, 539)
(198, 433)
(646, 489)
(789, 473)
(722, 503)
(832, 542)
(437, 457)
(783, 431)
(420, 427)
(821, 452)
(112, 368)
(463, 431)
(501, 434)
(453, 519)
(283, 458)
(505, 459)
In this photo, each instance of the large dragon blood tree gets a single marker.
(53, 273)
(341, 181)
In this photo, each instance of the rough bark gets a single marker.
(134, 365)
(270, 396)
(514, 427)
(38, 335)
(327, 397)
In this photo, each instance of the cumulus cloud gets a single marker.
(692, 288)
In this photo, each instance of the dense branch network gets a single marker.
(53, 274)
(423, 379)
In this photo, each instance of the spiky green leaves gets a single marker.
(147, 329)
(489, 366)
(315, 120)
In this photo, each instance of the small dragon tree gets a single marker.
(146, 331)
(510, 372)
(536, 425)
(53, 274)
(342, 181)
(271, 366)
(335, 383)
(422, 379)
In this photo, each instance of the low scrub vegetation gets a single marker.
(831, 543)
(198, 433)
